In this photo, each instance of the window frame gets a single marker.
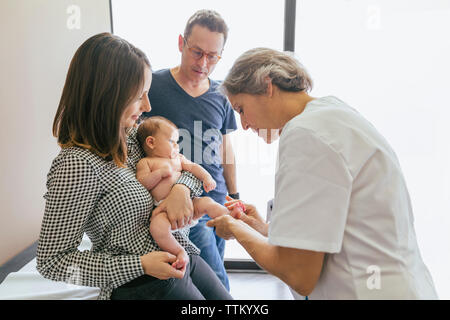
(249, 265)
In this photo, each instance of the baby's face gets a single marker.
(166, 142)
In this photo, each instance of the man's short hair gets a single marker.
(209, 19)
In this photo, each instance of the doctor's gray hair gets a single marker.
(252, 71)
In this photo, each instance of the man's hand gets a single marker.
(178, 206)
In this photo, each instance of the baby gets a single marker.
(159, 170)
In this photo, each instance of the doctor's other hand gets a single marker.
(224, 226)
(250, 216)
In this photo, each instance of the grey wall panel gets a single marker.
(38, 40)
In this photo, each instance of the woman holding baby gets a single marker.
(92, 187)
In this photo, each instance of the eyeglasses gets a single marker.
(197, 54)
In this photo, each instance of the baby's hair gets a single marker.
(150, 126)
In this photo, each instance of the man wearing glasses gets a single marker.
(188, 97)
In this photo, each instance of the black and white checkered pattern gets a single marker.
(86, 194)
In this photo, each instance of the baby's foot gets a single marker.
(182, 261)
(237, 209)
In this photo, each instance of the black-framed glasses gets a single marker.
(197, 54)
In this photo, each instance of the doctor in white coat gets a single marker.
(342, 222)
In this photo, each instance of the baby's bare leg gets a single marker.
(160, 230)
(206, 205)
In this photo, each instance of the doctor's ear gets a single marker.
(269, 87)
(150, 142)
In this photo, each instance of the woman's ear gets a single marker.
(150, 142)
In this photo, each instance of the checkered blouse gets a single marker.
(86, 194)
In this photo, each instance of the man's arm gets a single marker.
(229, 164)
(300, 269)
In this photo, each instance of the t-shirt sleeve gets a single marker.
(229, 122)
(312, 194)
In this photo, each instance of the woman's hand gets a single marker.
(158, 264)
(250, 216)
(178, 206)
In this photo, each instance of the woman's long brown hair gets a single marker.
(105, 75)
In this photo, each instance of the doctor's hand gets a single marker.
(224, 226)
(250, 216)
(178, 206)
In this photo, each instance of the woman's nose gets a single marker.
(146, 104)
(244, 124)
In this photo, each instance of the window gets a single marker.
(389, 60)
(154, 26)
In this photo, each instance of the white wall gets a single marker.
(39, 38)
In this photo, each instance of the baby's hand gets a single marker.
(166, 172)
(209, 184)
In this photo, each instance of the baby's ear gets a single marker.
(150, 142)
